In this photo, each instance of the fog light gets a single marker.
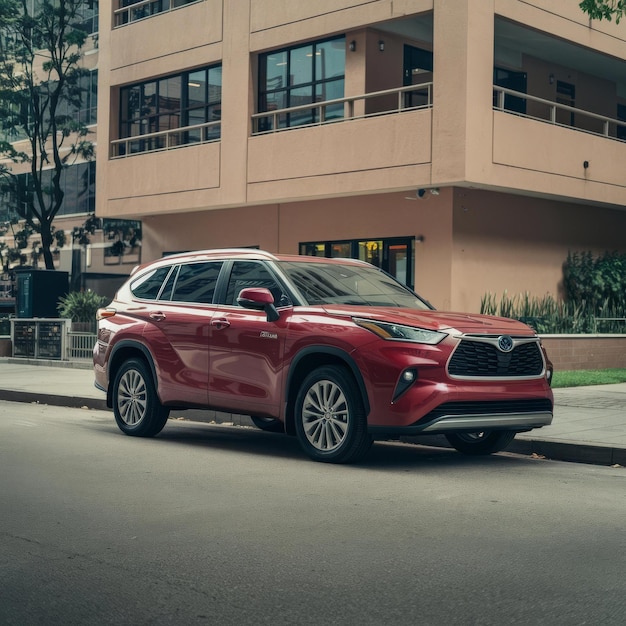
(407, 378)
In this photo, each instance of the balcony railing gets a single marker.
(382, 103)
(558, 114)
(145, 8)
(166, 139)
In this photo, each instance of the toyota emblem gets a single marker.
(505, 343)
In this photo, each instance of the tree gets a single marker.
(604, 9)
(40, 90)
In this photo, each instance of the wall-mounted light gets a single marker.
(551, 79)
(419, 239)
(381, 45)
(585, 164)
(352, 46)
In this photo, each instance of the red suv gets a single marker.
(334, 351)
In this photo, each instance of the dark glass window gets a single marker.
(196, 282)
(394, 255)
(145, 9)
(148, 285)
(302, 75)
(88, 17)
(78, 183)
(515, 81)
(252, 274)
(87, 113)
(178, 101)
(621, 115)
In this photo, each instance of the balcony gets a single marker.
(558, 114)
(382, 140)
(558, 150)
(133, 11)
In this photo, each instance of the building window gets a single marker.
(302, 75)
(87, 114)
(418, 69)
(565, 94)
(132, 10)
(172, 111)
(621, 128)
(394, 255)
(516, 81)
(88, 20)
(78, 183)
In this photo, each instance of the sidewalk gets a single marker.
(589, 422)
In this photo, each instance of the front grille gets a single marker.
(489, 407)
(482, 359)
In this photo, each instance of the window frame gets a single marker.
(149, 108)
(289, 90)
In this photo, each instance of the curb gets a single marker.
(567, 451)
(74, 402)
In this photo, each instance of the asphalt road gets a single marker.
(209, 524)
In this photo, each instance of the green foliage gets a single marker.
(598, 281)
(595, 298)
(604, 9)
(547, 315)
(81, 306)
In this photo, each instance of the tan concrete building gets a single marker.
(463, 145)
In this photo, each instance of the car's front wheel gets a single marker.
(485, 442)
(136, 405)
(330, 417)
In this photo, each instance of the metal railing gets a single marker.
(80, 345)
(166, 139)
(146, 8)
(407, 98)
(608, 126)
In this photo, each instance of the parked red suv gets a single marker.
(334, 351)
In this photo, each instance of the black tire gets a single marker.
(330, 417)
(486, 442)
(136, 405)
(268, 424)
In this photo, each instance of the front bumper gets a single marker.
(450, 417)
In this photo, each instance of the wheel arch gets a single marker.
(306, 361)
(121, 352)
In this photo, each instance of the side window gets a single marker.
(148, 285)
(196, 282)
(168, 287)
(253, 274)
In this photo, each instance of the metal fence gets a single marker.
(80, 345)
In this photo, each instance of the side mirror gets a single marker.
(259, 299)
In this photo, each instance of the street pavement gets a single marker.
(589, 423)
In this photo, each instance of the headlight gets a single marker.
(398, 332)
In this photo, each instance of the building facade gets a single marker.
(465, 146)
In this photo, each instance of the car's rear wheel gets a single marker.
(330, 417)
(485, 442)
(136, 405)
(268, 424)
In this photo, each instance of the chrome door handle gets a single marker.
(157, 316)
(220, 323)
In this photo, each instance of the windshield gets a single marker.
(333, 283)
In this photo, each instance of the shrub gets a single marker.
(547, 315)
(599, 281)
(81, 306)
